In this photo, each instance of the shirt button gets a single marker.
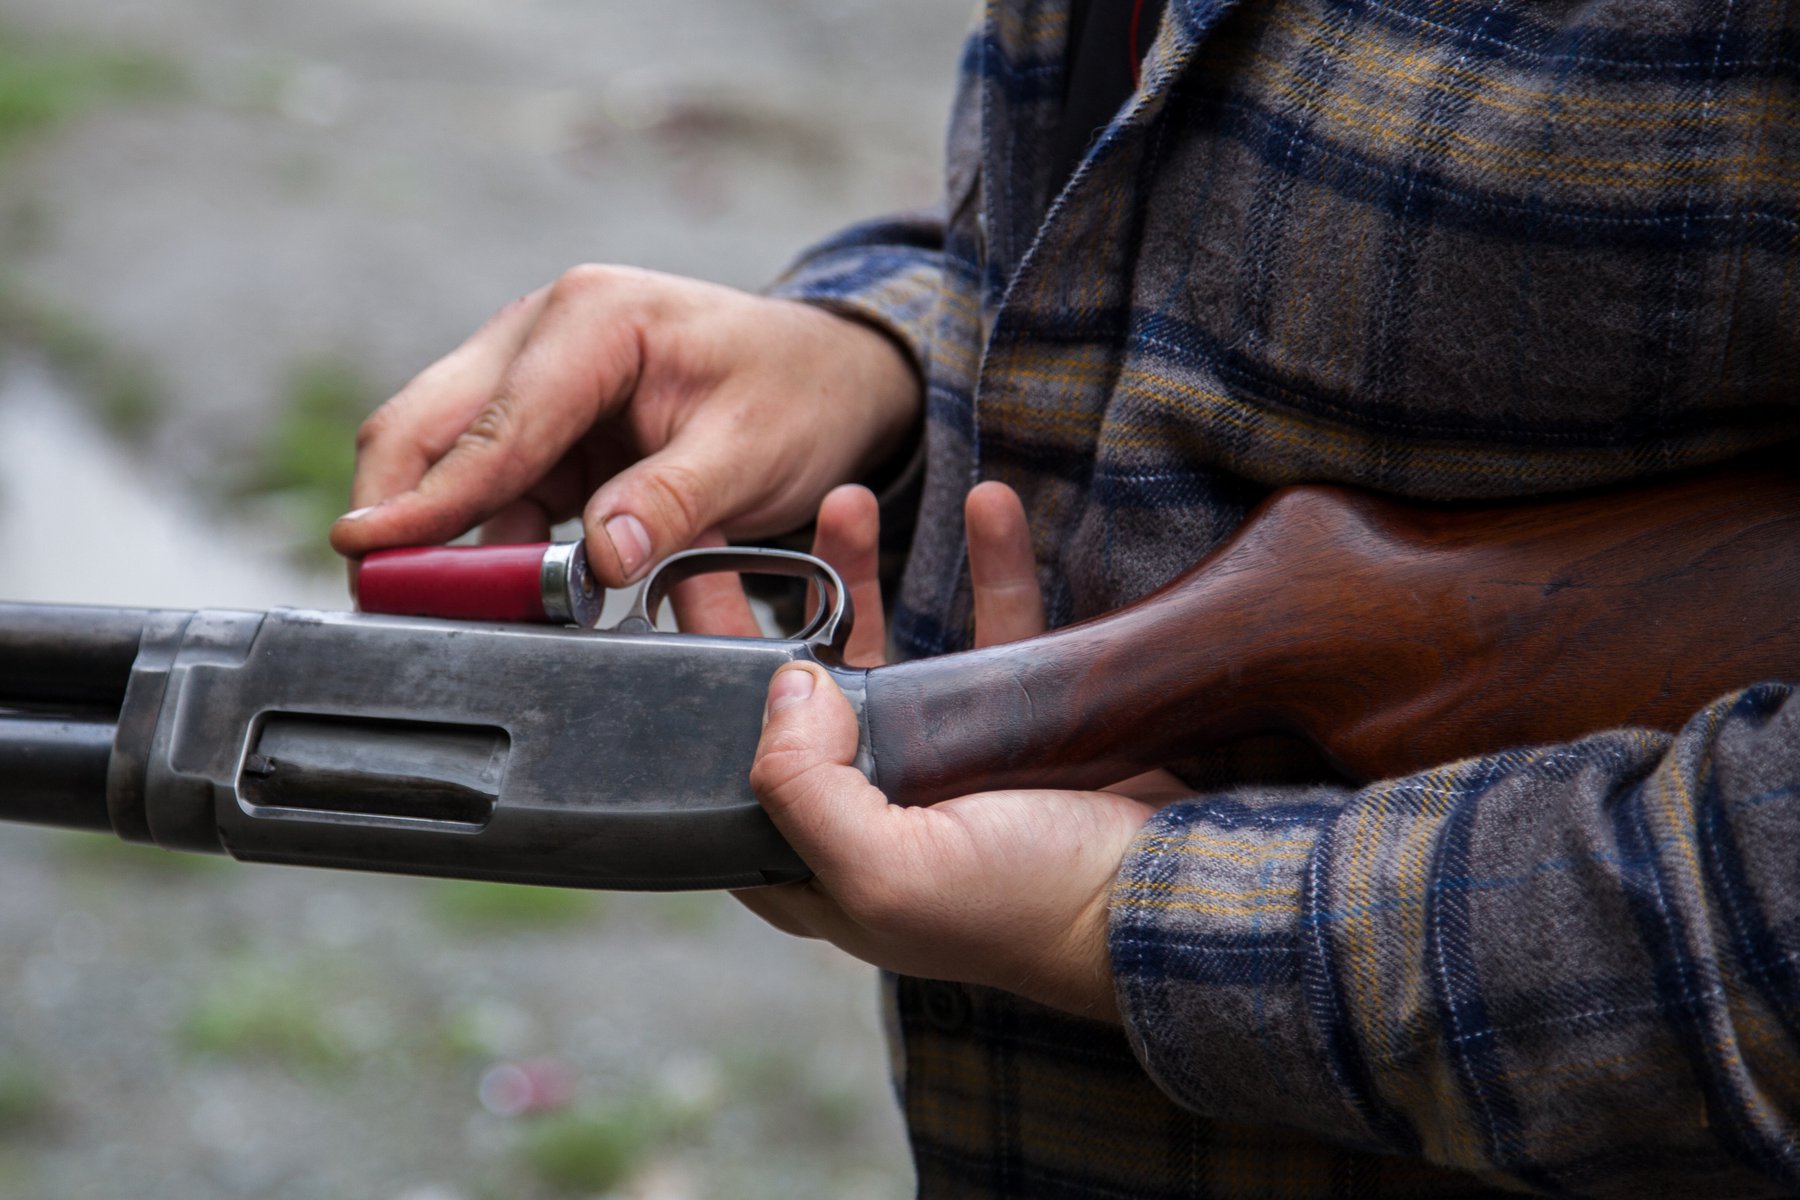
(946, 1006)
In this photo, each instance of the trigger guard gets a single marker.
(829, 629)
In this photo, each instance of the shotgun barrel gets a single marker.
(63, 673)
(68, 654)
(53, 770)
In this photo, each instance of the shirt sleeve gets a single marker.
(1573, 969)
(886, 273)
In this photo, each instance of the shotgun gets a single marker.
(1393, 637)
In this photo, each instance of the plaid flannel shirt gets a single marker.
(1443, 250)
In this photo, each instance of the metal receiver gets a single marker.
(613, 758)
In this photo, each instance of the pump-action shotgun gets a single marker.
(1393, 637)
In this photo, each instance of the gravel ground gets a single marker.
(361, 182)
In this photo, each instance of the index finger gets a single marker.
(1009, 605)
(848, 536)
(577, 361)
(405, 436)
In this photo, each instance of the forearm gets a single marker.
(1570, 968)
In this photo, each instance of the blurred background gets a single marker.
(227, 231)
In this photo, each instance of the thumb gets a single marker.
(828, 811)
(663, 503)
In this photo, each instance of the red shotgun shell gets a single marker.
(462, 583)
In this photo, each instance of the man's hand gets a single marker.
(658, 408)
(1007, 889)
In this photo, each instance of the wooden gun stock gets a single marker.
(1393, 637)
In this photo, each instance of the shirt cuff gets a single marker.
(1209, 958)
(886, 274)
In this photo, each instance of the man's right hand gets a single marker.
(658, 408)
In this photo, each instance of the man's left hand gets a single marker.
(1007, 889)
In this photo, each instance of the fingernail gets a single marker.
(630, 543)
(789, 687)
(356, 514)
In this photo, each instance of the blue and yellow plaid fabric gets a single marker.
(1444, 250)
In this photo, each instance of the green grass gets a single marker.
(493, 907)
(309, 455)
(594, 1149)
(687, 913)
(104, 854)
(468, 1033)
(45, 82)
(259, 1011)
(122, 386)
(25, 1100)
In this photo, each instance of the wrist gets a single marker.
(885, 386)
(1083, 984)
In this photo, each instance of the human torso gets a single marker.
(1443, 251)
